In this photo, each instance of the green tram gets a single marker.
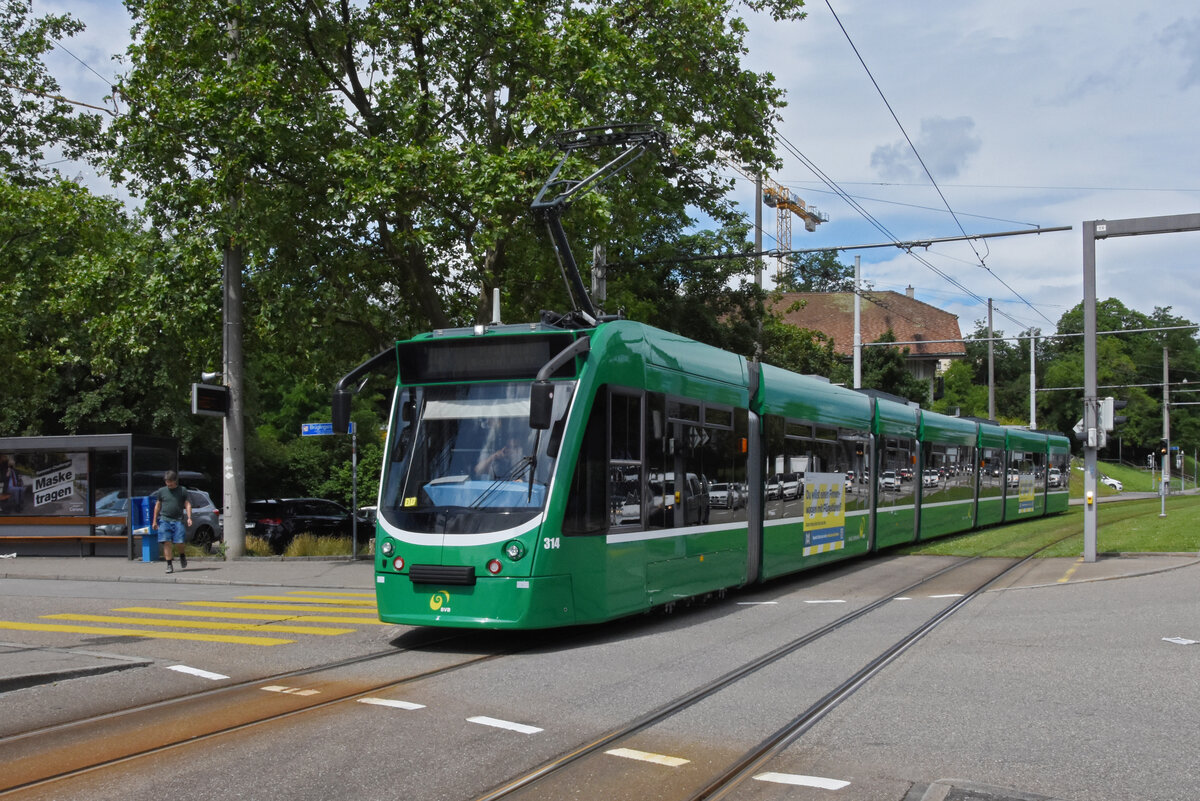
(538, 477)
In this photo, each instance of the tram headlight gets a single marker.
(387, 548)
(514, 550)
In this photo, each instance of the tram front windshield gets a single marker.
(462, 459)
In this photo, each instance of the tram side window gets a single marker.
(991, 473)
(628, 496)
(695, 462)
(896, 475)
(587, 507)
(724, 464)
(794, 449)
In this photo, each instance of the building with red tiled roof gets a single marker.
(935, 332)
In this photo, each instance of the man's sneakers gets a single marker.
(182, 559)
(170, 567)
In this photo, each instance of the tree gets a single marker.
(414, 131)
(817, 272)
(33, 116)
(1130, 365)
(885, 369)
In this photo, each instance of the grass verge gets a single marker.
(1126, 527)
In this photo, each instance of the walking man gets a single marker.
(171, 506)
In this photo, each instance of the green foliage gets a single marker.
(817, 272)
(801, 350)
(33, 116)
(421, 126)
(885, 369)
(107, 331)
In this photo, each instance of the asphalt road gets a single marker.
(1060, 686)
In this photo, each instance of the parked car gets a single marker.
(790, 483)
(206, 527)
(1109, 481)
(279, 520)
(723, 495)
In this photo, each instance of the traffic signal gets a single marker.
(1108, 419)
(1163, 447)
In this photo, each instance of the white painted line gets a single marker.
(391, 703)
(504, 724)
(902, 598)
(802, 781)
(825, 602)
(275, 688)
(646, 756)
(949, 595)
(757, 603)
(1179, 640)
(204, 674)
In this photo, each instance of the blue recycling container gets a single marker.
(143, 513)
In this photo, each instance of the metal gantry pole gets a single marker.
(1166, 459)
(1093, 230)
(1090, 427)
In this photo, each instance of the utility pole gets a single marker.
(758, 260)
(991, 368)
(857, 322)
(1032, 381)
(233, 428)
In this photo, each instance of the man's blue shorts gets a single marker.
(171, 530)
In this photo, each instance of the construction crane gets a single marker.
(784, 200)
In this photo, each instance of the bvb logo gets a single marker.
(438, 599)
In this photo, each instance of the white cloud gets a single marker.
(1027, 113)
(944, 147)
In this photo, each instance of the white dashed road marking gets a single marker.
(802, 781)
(504, 724)
(204, 674)
(275, 688)
(646, 756)
(391, 703)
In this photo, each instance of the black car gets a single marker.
(279, 520)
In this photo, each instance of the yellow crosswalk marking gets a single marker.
(370, 595)
(152, 610)
(312, 600)
(202, 624)
(276, 607)
(163, 635)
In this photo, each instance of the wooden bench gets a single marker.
(9, 524)
(82, 539)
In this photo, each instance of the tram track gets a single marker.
(723, 782)
(50, 754)
(63, 751)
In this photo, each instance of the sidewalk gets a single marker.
(323, 572)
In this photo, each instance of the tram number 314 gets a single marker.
(551, 543)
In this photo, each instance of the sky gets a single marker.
(1026, 114)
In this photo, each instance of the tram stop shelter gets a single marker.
(62, 494)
